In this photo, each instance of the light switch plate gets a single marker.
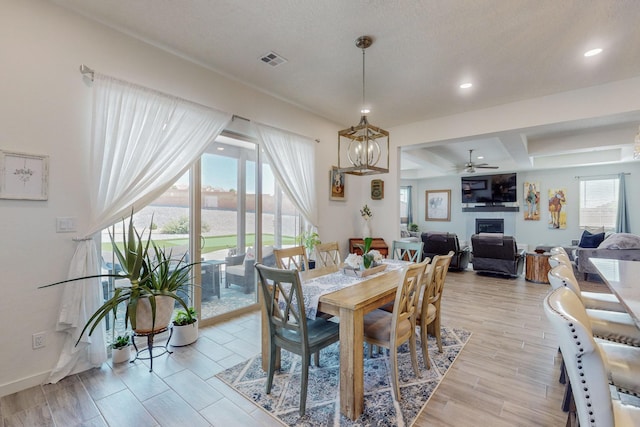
(65, 224)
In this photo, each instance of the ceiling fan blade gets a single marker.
(486, 167)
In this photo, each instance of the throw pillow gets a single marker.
(621, 241)
(589, 240)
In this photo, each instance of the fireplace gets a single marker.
(489, 225)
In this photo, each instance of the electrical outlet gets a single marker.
(39, 340)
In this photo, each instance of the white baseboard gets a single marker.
(24, 383)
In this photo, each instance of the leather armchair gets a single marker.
(441, 243)
(496, 253)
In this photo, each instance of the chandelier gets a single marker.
(361, 147)
(636, 146)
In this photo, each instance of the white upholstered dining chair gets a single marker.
(586, 365)
(562, 275)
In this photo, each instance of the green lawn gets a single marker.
(215, 243)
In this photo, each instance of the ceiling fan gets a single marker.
(470, 166)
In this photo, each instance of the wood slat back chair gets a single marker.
(289, 327)
(328, 254)
(390, 330)
(586, 365)
(408, 251)
(429, 313)
(294, 258)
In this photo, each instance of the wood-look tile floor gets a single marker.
(507, 374)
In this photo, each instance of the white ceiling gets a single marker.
(510, 49)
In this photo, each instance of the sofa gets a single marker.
(437, 243)
(497, 254)
(240, 269)
(623, 246)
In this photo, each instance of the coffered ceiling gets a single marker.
(423, 50)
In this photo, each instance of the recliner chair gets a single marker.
(436, 243)
(496, 253)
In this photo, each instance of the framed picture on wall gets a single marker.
(23, 176)
(336, 185)
(438, 205)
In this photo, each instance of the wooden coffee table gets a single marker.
(537, 267)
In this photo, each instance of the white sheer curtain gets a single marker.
(143, 140)
(292, 158)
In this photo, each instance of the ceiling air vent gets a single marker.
(272, 59)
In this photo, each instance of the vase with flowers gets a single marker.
(366, 214)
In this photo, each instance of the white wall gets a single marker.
(532, 233)
(45, 108)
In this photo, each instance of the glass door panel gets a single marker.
(227, 211)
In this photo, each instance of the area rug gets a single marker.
(323, 407)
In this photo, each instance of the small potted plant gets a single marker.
(185, 327)
(120, 349)
(310, 239)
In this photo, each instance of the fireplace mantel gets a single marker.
(491, 209)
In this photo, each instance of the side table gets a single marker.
(377, 244)
(537, 267)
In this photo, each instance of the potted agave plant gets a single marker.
(156, 282)
(185, 327)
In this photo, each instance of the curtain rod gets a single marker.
(602, 176)
(86, 71)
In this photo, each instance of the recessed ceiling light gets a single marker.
(480, 157)
(466, 85)
(220, 148)
(593, 52)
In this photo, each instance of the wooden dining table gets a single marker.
(621, 277)
(350, 305)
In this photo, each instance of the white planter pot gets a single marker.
(184, 335)
(164, 311)
(120, 355)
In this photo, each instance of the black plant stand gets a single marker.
(150, 346)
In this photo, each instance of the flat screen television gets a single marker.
(490, 189)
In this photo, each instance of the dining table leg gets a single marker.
(351, 363)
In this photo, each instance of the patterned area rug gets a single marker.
(323, 408)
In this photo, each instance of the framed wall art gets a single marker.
(336, 184)
(438, 205)
(23, 176)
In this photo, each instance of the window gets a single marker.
(599, 202)
(404, 199)
(405, 205)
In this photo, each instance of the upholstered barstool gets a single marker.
(591, 365)
(562, 275)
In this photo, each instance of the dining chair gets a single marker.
(328, 254)
(558, 250)
(559, 258)
(289, 328)
(429, 308)
(390, 330)
(611, 325)
(587, 365)
(294, 258)
(408, 251)
(562, 275)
